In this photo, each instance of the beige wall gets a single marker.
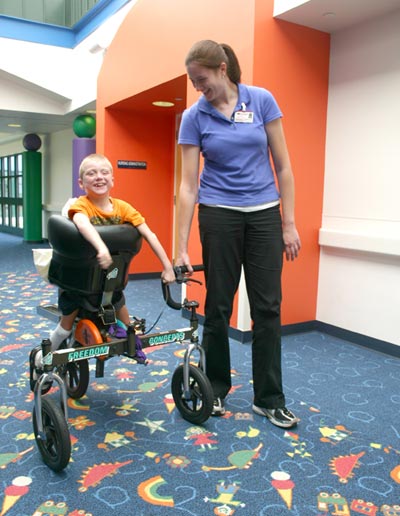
(359, 276)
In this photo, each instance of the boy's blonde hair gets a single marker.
(96, 159)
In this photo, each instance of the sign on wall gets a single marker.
(123, 163)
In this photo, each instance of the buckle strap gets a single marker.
(107, 314)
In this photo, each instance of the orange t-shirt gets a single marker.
(122, 212)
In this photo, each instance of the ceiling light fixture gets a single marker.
(96, 48)
(163, 103)
(14, 125)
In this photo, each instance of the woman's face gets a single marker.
(209, 81)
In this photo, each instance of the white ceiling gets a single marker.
(41, 86)
(326, 15)
(333, 15)
(36, 122)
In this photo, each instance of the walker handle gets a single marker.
(179, 270)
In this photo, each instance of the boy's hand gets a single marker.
(168, 275)
(104, 258)
(88, 231)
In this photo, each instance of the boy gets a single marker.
(98, 208)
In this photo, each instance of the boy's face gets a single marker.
(97, 179)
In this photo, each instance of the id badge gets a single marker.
(244, 117)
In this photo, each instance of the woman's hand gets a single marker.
(291, 241)
(184, 259)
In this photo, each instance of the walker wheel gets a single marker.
(196, 405)
(55, 448)
(75, 376)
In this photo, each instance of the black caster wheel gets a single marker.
(76, 377)
(56, 447)
(197, 407)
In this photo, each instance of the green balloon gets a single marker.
(84, 126)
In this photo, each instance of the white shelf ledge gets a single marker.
(369, 243)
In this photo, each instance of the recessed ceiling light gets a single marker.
(91, 111)
(96, 48)
(163, 103)
(14, 125)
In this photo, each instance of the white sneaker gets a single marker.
(36, 369)
(218, 407)
(279, 417)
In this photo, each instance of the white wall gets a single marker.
(38, 78)
(359, 281)
(12, 147)
(51, 79)
(57, 171)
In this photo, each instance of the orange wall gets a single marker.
(148, 50)
(147, 138)
(151, 44)
(291, 61)
(153, 40)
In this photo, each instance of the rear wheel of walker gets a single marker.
(197, 405)
(55, 448)
(75, 374)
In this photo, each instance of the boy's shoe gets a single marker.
(279, 417)
(35, 370)
(218, 407)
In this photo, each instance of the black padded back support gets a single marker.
(74, 266)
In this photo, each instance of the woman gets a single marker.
(236, 128)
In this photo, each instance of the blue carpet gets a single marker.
(132, 453)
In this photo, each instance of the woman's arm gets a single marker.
(187, 199)
(283, 170)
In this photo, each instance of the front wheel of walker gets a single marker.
(196, 405)
(55, 443)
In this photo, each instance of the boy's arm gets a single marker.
(88, 231)
(167, 275)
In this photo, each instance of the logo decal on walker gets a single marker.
(48, 359)
(112, 274)
(168, 337)
(83, 353)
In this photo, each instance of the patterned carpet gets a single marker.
(133, 454)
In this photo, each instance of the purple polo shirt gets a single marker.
(237, 169)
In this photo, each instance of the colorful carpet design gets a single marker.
(132, 453)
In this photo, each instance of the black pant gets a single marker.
(229, 240)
